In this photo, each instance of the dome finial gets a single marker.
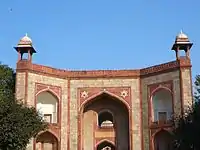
(181, 31)
(25, 41)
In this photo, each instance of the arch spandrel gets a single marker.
(168, 85)
(88, 93)
(99, 95)
(49, 91)
(55, 90)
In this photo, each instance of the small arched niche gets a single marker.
(162, 108)
(46, 141)
(105, 145)
(47, 105)
(105, 119)
(163, 141)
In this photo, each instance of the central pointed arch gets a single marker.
(120, 111)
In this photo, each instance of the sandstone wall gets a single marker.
(88, 130)
(20, 95)
(135, 97)
(187, 88)
(145, 97)
(74, 84)
(135, 93)
(34, 78)
(20, 86)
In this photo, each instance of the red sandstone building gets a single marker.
(105, 109)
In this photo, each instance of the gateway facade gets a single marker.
(105, 109)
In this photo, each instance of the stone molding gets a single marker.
(25, 65)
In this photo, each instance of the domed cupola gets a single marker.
(24, 46)
(182, 42)
(182, 38)
(25, 41)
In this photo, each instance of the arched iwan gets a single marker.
(120, 130)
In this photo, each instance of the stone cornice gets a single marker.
(25, 65)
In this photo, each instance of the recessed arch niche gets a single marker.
(162, 105)
(47, 104)
(110, 109)
(163, 140)
(105, 145)
(105, 119)
(46, 141)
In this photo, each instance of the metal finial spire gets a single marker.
(181, 31)
(26, 34)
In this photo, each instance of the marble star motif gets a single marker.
(124, 93)
(84, 94)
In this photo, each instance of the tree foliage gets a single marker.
(197, 88)
(187, 126)
(18, 123)
(7, 81)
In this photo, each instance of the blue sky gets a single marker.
(99, 34)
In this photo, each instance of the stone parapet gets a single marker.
(44, 70)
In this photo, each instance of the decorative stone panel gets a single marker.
(91, 92)
(44, 87)
(156, 80)
(130, 85)
(167, 85)
(36, 83)
(78, 86)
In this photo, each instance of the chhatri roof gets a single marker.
(25, 41)
(182, 38)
